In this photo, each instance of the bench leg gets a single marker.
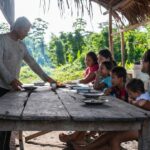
(144, 139)
(21, 140)
(27, 138)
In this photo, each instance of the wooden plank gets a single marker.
(144, 139)
(45, 105)
(114, 110)
(43, 125)
(32, 136)
(12, 104)
(131, 27)
(21, 140)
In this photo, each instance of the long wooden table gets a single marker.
(64, 110)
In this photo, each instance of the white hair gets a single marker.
(21, 23)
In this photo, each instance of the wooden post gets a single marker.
(110, 33)
(122, 49)
(144, 139)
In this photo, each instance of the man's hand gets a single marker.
(16, 84)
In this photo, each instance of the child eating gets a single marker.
(104, 72)
(137, 94)
(118, 75)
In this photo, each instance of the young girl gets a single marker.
(92, 67)
(103, 56)
(104, 72)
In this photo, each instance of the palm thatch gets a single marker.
(135, 11)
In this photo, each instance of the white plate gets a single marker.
(95, 102)
(92, 94)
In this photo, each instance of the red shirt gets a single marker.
(90, 70)
(120, 93)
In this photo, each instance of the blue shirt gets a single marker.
(107, 81)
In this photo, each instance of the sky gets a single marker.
(57, 23)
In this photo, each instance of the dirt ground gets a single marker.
(50, 141)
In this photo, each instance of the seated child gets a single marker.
(137, 94)
(112, 140)
(118, 75)
(92, 67)
(104, 71)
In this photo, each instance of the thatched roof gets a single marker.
(135, 11)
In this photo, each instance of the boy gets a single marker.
(118, 75)
(137, 94)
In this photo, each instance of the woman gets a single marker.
(105, 55)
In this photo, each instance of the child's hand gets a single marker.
(97, 73)
(108, 91)
(139, 103)
(131, 100)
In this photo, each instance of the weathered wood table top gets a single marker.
(44, 110)
(37, 110)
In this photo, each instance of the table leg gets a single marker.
(21, 140)
(144, 139)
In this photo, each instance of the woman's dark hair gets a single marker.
(93, 56)
(107, 54)
(135, 85)
(108, 65)
(120, 72)
(146, 57)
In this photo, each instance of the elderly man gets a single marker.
(12, 53)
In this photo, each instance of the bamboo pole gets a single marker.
(122, 49)
(131, 27)
(110, 33)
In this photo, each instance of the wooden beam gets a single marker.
(122, 3)
(131, 27)
(122, 49)
(32, 136)
(110, 33)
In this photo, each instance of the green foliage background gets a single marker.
(63, 56)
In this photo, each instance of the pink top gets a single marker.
(90, 70)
